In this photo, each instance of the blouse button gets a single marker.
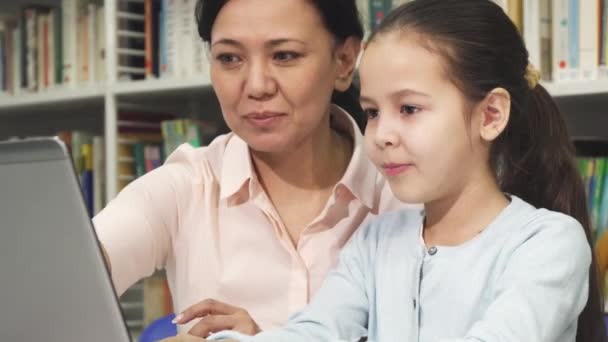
(432, 251)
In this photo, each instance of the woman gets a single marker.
(249, 226)
(501, 252)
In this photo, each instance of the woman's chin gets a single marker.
(268, 144)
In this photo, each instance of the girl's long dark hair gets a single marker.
(534, 158)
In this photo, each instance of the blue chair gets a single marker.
(159, 329)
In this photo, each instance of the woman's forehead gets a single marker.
(243, 20)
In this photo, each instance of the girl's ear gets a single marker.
(494, 112)
(347, 55)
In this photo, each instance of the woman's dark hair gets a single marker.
(533, 158)
(341, 18)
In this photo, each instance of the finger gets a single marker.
(204, 308)
(211, 324)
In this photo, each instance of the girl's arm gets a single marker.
(543, 288)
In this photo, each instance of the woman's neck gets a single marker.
(457, 218)
(317, 163)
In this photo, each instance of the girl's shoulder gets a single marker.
(529, 226)
(393, 226)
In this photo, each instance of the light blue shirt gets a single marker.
(523, 278)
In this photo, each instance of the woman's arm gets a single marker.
(136, 228)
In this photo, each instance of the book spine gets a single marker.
(531, 31)
(560, 38)
(69, 41)
(574, 39)
(92, 43)
(588, 33)
(51, 49)
(32, 51)
(148, 7)
(17, 60)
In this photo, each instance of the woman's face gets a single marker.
(274, 66)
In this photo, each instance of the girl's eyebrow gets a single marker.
(396, 94)
(407, 91)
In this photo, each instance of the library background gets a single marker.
(124, 82)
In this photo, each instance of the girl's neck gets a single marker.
(459, 217)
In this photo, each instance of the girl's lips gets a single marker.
(393, 169)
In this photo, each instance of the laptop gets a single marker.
(54, 285)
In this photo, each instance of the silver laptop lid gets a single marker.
(54, 286)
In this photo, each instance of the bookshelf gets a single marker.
(95, 106)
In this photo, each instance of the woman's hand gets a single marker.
(217, 316)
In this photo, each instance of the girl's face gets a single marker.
(420, 133)
(274, 66)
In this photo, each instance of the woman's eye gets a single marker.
(409, 109)
(371, 113)
(228, 59)
(286, 56)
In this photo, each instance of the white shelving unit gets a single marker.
(175, 94)
(51, 97)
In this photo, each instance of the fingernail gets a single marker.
(177, 319)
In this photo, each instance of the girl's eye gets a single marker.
(370, 113)
(286, 56)
(228, 59)
(409, 109)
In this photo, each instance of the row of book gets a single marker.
(159, 39)
(44, 47)
(567, 39)
(594, 172)
(144, 141)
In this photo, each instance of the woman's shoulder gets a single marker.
(198, 164)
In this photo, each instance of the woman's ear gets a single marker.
(346, 56)
(494, 111)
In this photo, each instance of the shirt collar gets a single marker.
(237, 167)
(360, 176)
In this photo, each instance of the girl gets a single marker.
(458, 121)
(248, 227)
